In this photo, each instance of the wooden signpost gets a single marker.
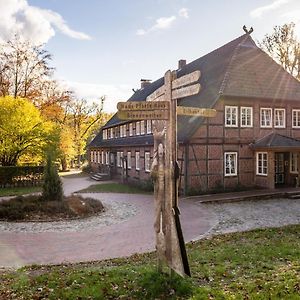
(161, 108)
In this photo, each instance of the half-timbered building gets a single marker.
(254, 139)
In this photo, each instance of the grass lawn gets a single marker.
(113, 188)
(15, 191)
(260, 264)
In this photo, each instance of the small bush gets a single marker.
(52, 187)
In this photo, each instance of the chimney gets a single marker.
(145, 82)
(181, 63)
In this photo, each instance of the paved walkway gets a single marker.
(132, 235)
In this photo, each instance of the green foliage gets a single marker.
(52, 187)
(22, 130)
(260, 264)
(20, 176)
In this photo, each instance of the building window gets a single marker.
(142, 127)
(124, 130)
(129, 160)
(296, 118)
(262, 163)
(149, 127)
(279, 118)
(230, 163)
(266, 117)
(98, 157)
(107, 158)
(137, 128)
(246, 116)
(147, 161)
(92, 156)
(293, 162)
(102, 158)
(231, 116)
(118, 159)
(130, 129)
(104, 133)
(121, 131)
(137, 161)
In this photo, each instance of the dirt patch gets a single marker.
(34, 208)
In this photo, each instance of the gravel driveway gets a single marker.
(247, 215)
(127, 227)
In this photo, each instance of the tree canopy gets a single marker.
(284, 47)
(23, 131)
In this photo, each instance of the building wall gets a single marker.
(202, 159)
(207, 147)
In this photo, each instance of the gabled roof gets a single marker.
(275, 141)
(237, 69)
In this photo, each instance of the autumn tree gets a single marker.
(84, 117)
(23, 131)
(283, 46)
(23, 68)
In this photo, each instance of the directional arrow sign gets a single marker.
(186, 91)
(144, 115)
(156, 94)
(186, 79)
(196, 112)
(143, 105)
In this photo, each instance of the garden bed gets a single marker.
(34, 208)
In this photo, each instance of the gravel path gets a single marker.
(247, 215)
(115, 212)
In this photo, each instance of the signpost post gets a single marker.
(161, 107)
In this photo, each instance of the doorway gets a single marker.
(281, 166)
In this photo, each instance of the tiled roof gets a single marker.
(238, 68)
(275, 140)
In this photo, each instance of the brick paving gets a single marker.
(134, 235)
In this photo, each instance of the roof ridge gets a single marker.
(233, 57)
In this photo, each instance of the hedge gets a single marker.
(21, 176)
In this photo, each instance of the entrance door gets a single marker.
(279, 169)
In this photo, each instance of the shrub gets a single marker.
(52, 187)
(20, 175)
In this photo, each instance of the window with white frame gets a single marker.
(107, 158)
(118, 159)
(137, 128)
(231, 116)
(265, 117)
(124, 130)
(129, 160)
(92, 156)
(137, 160)
(121, 131)
(121, 156)
(293, 162)
(99, 157)
(142, 127)
(296, 118)
(230, 163)
(104, 133)
(246, 116)
(147, 161)
(279, 118)
(102, 158)
(149, 127)
(109, 133)
(130, 129)
(262, 163)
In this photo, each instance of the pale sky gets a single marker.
(104, 47)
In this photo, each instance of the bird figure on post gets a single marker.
(248, 31)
